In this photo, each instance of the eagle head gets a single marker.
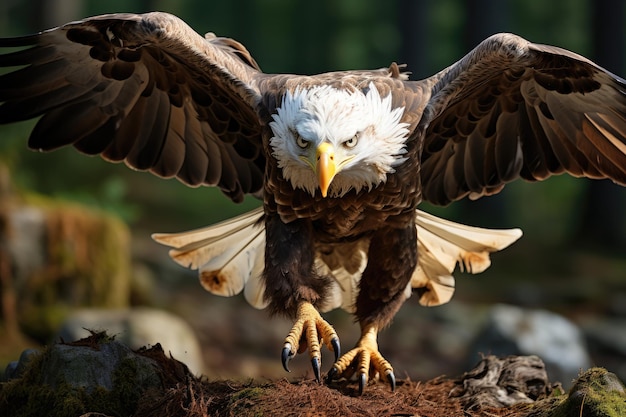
(337, 140)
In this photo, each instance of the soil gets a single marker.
(305, 398)
(512, 386)
(188, 396)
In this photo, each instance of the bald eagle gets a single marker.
(340, 160)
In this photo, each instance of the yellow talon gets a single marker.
(367, 360)
(308, 330)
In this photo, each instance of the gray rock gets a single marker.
(15, 369)
(511, 330)
(96, 367)
(26, 243)
(139, 327)
(97, 373)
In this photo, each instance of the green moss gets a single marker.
(596, 393)
(31, 396)
(26, 396)
(87, 263)
(243, 402)
(130, 382)
(23, 400)
(247, 393)
(87, 246)
(41, 321)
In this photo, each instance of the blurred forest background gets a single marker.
(565, 220)
(311, 37)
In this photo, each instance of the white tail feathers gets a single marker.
(230, 257)
(443, 244)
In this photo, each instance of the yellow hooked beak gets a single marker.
(325, 166)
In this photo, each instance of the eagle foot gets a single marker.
(308, 331)
(365, 360)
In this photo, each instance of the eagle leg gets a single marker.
(308, 331)
(392, 254)
(365, 359)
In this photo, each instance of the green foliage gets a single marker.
(560, 22)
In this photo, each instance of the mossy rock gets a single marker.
(63, 255)
(595, 393)
(96, 374)
(99, 376)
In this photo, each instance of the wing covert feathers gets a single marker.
(230, 257)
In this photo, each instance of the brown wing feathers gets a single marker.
(149, 91)
(513, 109)
(145, 90)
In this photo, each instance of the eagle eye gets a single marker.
(351, 143)
(301, 142)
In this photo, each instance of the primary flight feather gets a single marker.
(340, 160)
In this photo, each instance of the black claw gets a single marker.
(286, 356)
(336, 347)
(362, 383)
(331, 375)
(315, 362)
(391, 378)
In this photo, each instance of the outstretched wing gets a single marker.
(513, 109)
(143, 89)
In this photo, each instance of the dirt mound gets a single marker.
(498, 387)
